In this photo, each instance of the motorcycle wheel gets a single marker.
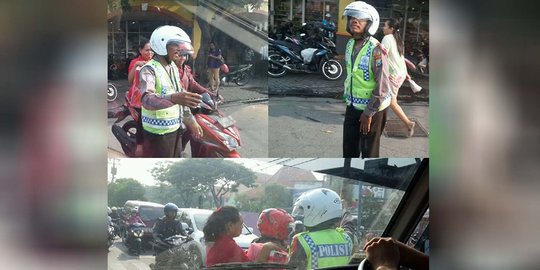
(112, 93)
(242, 79)
(274, 70)
(331, 69)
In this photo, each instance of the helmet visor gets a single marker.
(184, 47)
(358, 14)
(298, 212)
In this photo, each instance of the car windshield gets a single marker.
(368, 191)
(150, 213)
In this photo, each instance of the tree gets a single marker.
(244, 203)
(277, 196)
(215, 176)
(124, 189)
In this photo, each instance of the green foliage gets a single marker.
(202, 176)
(243, 203)
(275, 196)
(124, 189)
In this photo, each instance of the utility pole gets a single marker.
(113, 170)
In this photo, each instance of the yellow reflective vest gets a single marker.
(360, 80)
(165, 120)
(326, 248)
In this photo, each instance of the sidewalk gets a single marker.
(315, 85)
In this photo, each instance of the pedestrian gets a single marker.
(165, 105)
(134, 94)
(367, 92)
(214, 61)
(273, 224)
(323, 244)
(222, 226)
(396, 68)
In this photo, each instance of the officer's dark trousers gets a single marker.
(355, 143)
(168, 145)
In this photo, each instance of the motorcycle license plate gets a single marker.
(226, 122)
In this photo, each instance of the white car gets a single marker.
(198, 218)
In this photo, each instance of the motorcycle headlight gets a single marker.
(139, 234)
(230, 142)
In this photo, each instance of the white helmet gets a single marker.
(168, 34)
(362, 10)
(317, 206)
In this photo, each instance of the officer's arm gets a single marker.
(147, 86)
(297, 255)
(380, 71)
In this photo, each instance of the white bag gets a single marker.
(307, 54)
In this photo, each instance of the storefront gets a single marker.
(235, 31)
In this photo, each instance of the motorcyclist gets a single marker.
(165, 104)
(134, 217)
(324, 244)
(114, 213)
(188, 82)
(273, 224)
(167, 225)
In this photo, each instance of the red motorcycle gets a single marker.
(220, 134)
(126, 134)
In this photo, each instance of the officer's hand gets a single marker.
(365, 123)
(196, 131)
(189, 99)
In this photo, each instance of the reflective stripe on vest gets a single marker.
(360, 80)
(326, 248)
(165, 120)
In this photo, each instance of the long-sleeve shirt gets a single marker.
(150, 100)
(188, 82)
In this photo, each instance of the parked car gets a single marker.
(196, 219)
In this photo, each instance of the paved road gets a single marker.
(119, 259)
(312, 127)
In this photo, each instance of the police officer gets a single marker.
(164, 102)
(367, 91)
(324, 244)
(167, 225)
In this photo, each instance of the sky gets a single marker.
(139, 168)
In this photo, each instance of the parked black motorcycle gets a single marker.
(240, 75)
(310, 54)
(181, 252)
(133, 238)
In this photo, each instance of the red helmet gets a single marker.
(274, 223)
